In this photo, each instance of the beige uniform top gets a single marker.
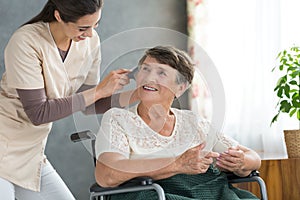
(32, 61)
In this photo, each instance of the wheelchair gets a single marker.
(146, 183)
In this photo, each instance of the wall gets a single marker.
(73, 161)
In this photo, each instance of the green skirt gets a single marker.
(212, 185)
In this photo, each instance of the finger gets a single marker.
(122, 71)
(207, 161)
(200, 151)
(225, 164)
(224, 167)
(243, 148)
(202, 145)
(229, 158)
(235, 153)
(198, 147)
(212, 155)
(233, 148)
(199, 166)
(230, 152)
(230, 162)
(124, 76)
(123, 81)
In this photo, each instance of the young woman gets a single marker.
(153, 139)
(52, 70)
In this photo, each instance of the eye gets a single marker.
(82, 29)
(162, 73)
(145, 68)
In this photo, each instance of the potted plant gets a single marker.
(287, 90)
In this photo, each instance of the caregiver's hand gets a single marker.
(114, 81)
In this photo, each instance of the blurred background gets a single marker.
(234, 44)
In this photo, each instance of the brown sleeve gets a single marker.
(102, 105)
(40, 109)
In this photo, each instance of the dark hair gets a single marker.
(175, 58)
(69, 10)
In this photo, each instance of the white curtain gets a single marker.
(243, 38)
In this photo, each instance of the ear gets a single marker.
(57, 16)
(181, 89)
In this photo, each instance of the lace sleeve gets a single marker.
(111, 136)
(215, 139)
(209, 134)
(223, 143)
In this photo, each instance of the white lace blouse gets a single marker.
(123, 131)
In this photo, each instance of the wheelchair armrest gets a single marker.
(232, 178)
(252, 177)
(83, 135)
(143, 180)
(138, 181)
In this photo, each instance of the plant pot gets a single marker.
(292, 141)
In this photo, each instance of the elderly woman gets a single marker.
(153, 139)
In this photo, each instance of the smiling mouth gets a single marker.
(82, 37)
(149, 88)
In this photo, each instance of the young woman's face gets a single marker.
(83, 27)
(157, 82)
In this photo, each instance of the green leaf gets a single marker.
(292, 68)
(278, 55)
(277, 104)
(274, 119)
(293, 112)
(295, 48)
(273, 69)
(296, 102)
(298, 114)
(280, 91)
(281, 67)
(295, 74)
(277, 87)
(280, 82)
(284, 52)
(293, 82)
(285, 106)
(297, 62)
(287, 91)
(296, 95)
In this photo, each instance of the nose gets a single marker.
(152, 77)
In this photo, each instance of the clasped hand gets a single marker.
(232, 160)
(195, 160)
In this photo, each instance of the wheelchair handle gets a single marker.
(82, 135)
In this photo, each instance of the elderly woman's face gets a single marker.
(156, 82)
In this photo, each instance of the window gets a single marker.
(242, 38)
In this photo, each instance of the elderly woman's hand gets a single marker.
(232, 160)
(195, 160)
(240, 160)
